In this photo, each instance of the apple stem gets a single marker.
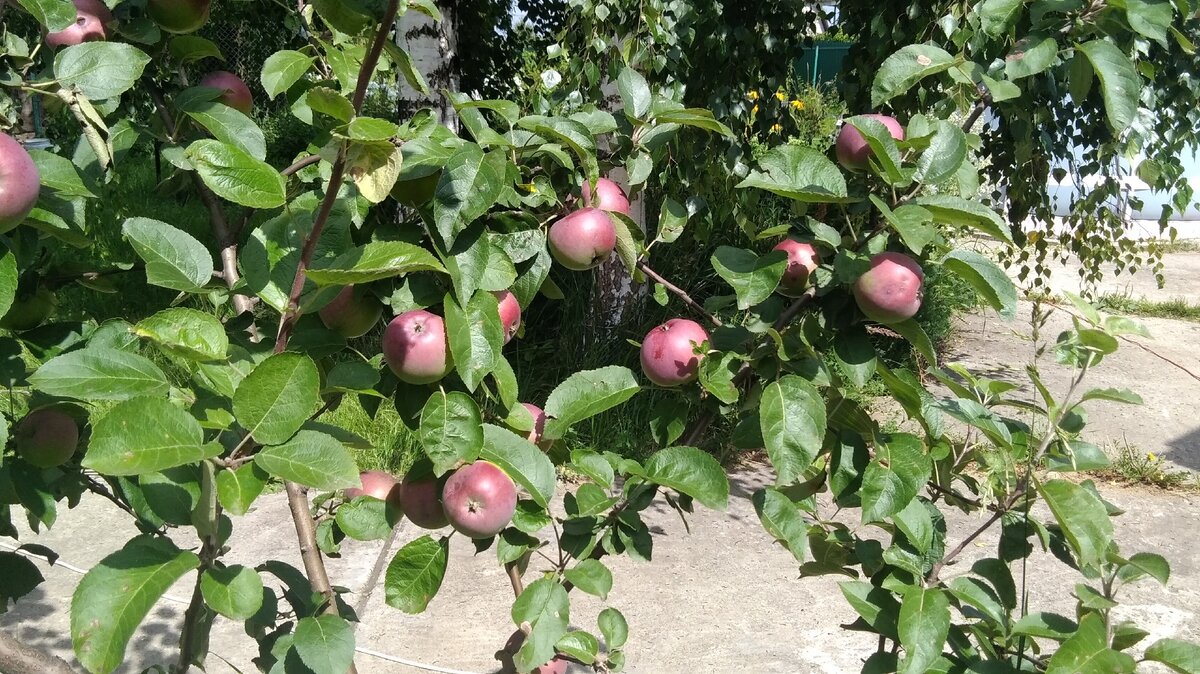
(678, 292)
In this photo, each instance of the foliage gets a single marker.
(220, 393)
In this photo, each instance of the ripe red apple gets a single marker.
(479, 499)
(26, 313)
(19, 183)
(583, 239)
(377, 483)
(415, 347)
(669, 355)
(91, 17)
(802, 260)
(237, 94)
(852, 148)
(890, 292)
(352, 313)
(47, 437)
(539, 423)
(420, 501)
(609, 196)
(510, 314)
(556, 666)
(179, 16)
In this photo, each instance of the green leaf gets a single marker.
(923, 625)
(885, 157)
(694, 117)
(579, 645)
(59, 174)
(1031, 55)
(792, 418)
(227, 125)
(283, 69)
(236, 176)
(1119, 82)
(521, 460)
(544, 605)
(1083, 518)
(569, 132)
(100, 374)
(614, 628)
(475, 336)
(1087, 651)
(672, 220)
(591, 576)
(900, 71)
(375, 261)
(915, 522)
(312, 459)
(594, 466)
(237, 489)
(451, 430)
(115, 596)
(277, 397)
(895, 475)
(1145, 564)
(146, 435)
(913, 223)
(781, 518)
(717, 375)
(856, 355)
(55, 15)
(997, 16)
(752, 278)
(471, 182)
(1117, 395)
(235, 592)
(100, 70)
(915, 334)
(1151, 18)
(690, 471)
(1045, 625)
(986, 277)
(190, 48)
(975, 593)
(954, 210)
(187, 333)
(1180, 656)
(325, 644)
(586, 394)
(635, 93)
(946, 153)
(874, 604)
(799, 173)
(366, 518)
(415, 574)
(174, 259)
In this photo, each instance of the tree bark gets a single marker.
(616, 293)
(19, 658)
(431, 46)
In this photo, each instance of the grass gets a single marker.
(392, 446)
(1132, 466)
(1171, 247)
(1177, 308)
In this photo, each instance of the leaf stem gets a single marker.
(678, 292)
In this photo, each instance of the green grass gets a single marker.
(1171, 247)
(1132, 466)
(392, 446)
(1176, 308)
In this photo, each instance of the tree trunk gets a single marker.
(616, 293)
(431, 46)
(19, 658)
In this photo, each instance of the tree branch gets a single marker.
(678, 292)
(20, 658)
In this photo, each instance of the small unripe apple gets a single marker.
(891, 291)
(378, 484)
(91, 19)
(479, 500)
(352, 313)
(421, 501)
(26, 313)
(669, 355)
(415, 347)
(179, 16)
(802, 260)
(609, 196)
(47, 437)
(236, 94)
(539, 423)
(583, 239)
(852, 149)
(510, 314)
(19, 183)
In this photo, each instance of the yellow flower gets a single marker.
(752, 94)
(777, 128)
(781, 96)
(754, 110)
(1150, 455)
(797, 104)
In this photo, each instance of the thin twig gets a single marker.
(301, 163)
(514, 578)
(678, 292)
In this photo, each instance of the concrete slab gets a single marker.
(1181, 271)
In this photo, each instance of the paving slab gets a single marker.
(1181, 274)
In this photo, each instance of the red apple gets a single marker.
(352, 313)
(558, 665)
(852, 148)
(179, 16)
(609, 196)
(669, 355)
(583, 239)
(415, 347)
(420, 501)
(479, 500)
(802, 260)
(91, 17)
(890, 292)
(539, 423)
(377, 483)
(47, 437)
(510, 314)
(19, 183)
(237, 94)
